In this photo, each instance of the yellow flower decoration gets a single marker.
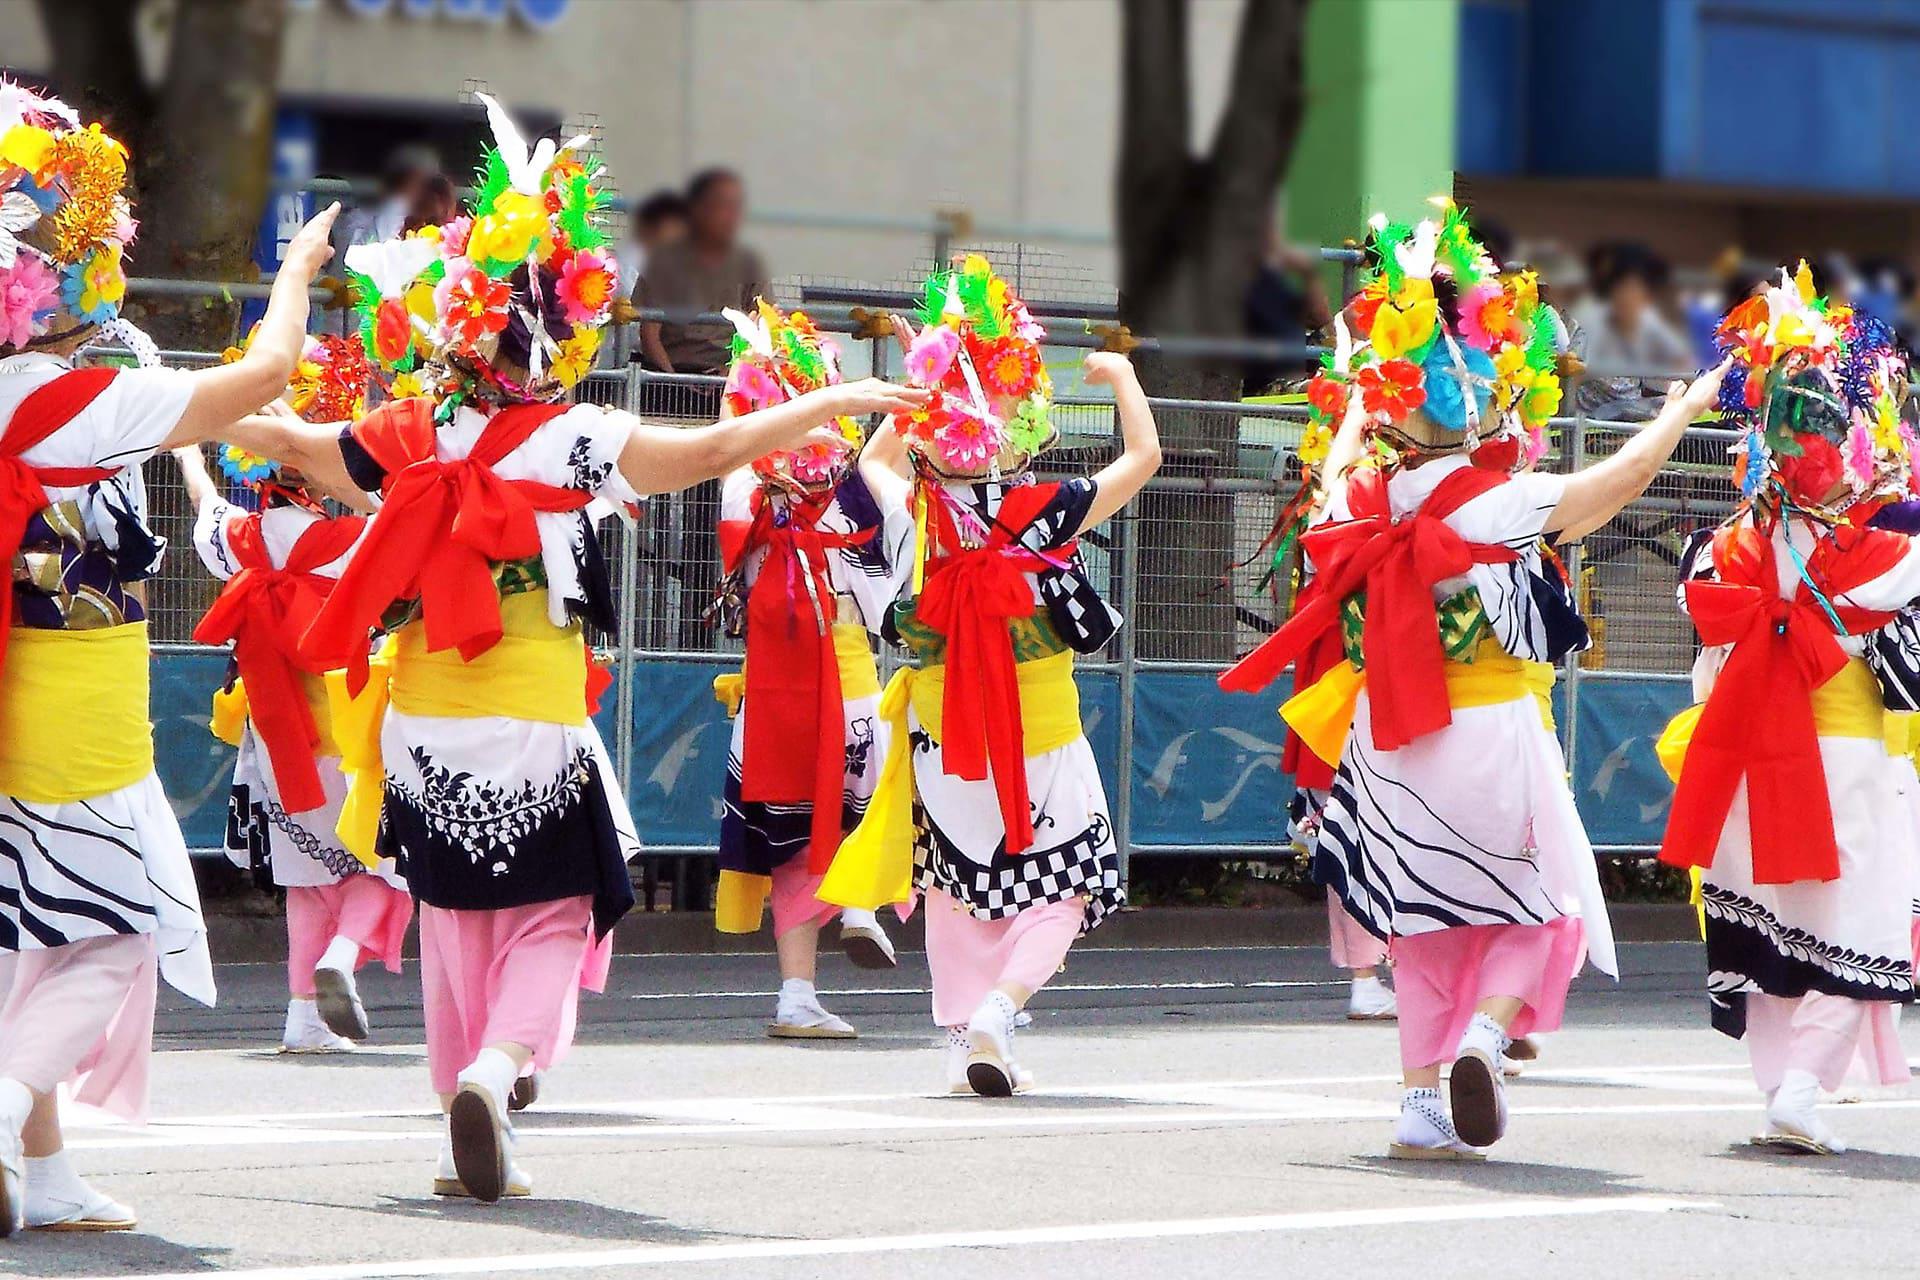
(28, 147)
(1414, 290)
(512, 232)
(1397, 331)
(405, 386)
(576, 355)
(1315, 444)
(1542, 398)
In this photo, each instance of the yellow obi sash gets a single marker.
(73, 713)
(1322, 713)
(875, 864)
(858, 677)
(231, 709)
(740, 899)
(536, 672)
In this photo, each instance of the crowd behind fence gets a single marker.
(1184, 564)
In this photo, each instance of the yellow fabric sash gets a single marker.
(875, 864)
(858, 676)
(73, 713)
(740, 901)
(536, 672)
(1322, 713)
(231, 709)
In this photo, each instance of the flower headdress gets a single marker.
(1451, 352)
(329, 385)
(502, 305)
(979, 352)
(777, 356)
(65, 222)
(1820, 390)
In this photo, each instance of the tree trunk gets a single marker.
(207, 162)
(1192, 230)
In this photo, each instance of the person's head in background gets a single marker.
(660, 219)
(433, 203)
(716, 205)
(409, 168)
(1628, 278)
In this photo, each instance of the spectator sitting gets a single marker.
(1630, 350)
(708, 270)
(1286, 302)
(659, 220)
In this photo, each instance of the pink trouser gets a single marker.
(1352, 946)
(969, 957)
(85, 1009)
(1822, 1034)
(499, 977)
(1440, 976)
(365, 909)
(796, 898)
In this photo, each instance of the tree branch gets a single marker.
(1154, 167)
(96, 63)
(1255, 140)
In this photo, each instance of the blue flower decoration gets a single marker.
(1446, 400)
(45, 197)
(73, 287)
(241, 467)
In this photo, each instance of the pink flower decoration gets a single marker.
(453, 237)
(1024, 325)
(969, 440)
(931, 354)
(752, 383)
(29, 293)
(1860, 453)
(586, 288)
(1473, 329)
(816, 464)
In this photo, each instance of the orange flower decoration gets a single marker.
(1392, 390)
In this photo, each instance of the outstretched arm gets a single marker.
(229, 391)
(883, 465)
(193, 473)
(1595, 495)
(1119, 480)
(659, 459)
(313, 449)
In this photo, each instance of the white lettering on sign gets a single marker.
(538, 14)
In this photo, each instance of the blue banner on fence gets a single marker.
(1206, 764)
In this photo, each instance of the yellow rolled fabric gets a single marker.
(230, 707)
(1671, 747)
(1850, 705)
(740, 902)
(74, 722)
(356, 723)
(858, 676)
(537, 671)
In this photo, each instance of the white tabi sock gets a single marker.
(341, 955)
(494, 1071)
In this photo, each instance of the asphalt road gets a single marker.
(1202, 1113)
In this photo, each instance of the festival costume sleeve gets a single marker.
(135, 414)
(211, 537)
(1514, 513)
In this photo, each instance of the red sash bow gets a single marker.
(970, 596)
(23, 487)
(440, 530)
(792, 670)
(1397, 564)
(1758, 722)
(263, 611)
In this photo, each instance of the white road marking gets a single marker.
(1098, 1233)
(1052, 988)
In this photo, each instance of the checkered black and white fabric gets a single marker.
(1086, 865)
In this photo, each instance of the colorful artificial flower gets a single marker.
(1452, 373)
(587, 287)
(969, 440)
(817, 464)
(1399, 331)
(245, 468)
(476, 308)
(93, 287)
(1327, 397)
(511, 231)
(1315, 443)
(751, 384)
(932, 354)
(574, 361)
(1007, 367)
(1031, 430)
(29, 295)
(392, 332)
(405, 386)
(1366, 306)
(1392, 390)
(1487, 317)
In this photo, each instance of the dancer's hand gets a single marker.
(1700, 395)
(312, 245)
(873, 395)
(1106, 369)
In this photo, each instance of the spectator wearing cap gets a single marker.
(706, 271)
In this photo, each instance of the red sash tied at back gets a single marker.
(263, 611)
(970, 596)
(439, 531)
(1397, 564)
(1758, 722)
(23, 487)
(792, 670)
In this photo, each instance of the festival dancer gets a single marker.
(1450, 831)
(1014, 849)
(279, 563)
(1789, 798)
(499, 801)
(97, 897)
(812, 563)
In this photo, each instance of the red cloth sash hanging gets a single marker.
(23, 487)
(1397, 564)
(263, 611)
(792, 670)
(1758, 722)
(441, 528)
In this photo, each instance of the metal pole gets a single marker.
(629, 621)
(1574, 560)
(1127, 547)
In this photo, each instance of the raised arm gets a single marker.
(660, 459)
(229, 391)
(1119, 480)
(883, 465)
(1596, 494)
(193, 473)
(311, 448)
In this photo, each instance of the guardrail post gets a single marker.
(1574, 560)
(1128, 547)
(629, 620)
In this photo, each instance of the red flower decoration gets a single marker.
(392, 331)
(1392, 390)
(1008, 367)
(1327, 396)
(1366, 306)
(1812, 475)
(477, 307)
